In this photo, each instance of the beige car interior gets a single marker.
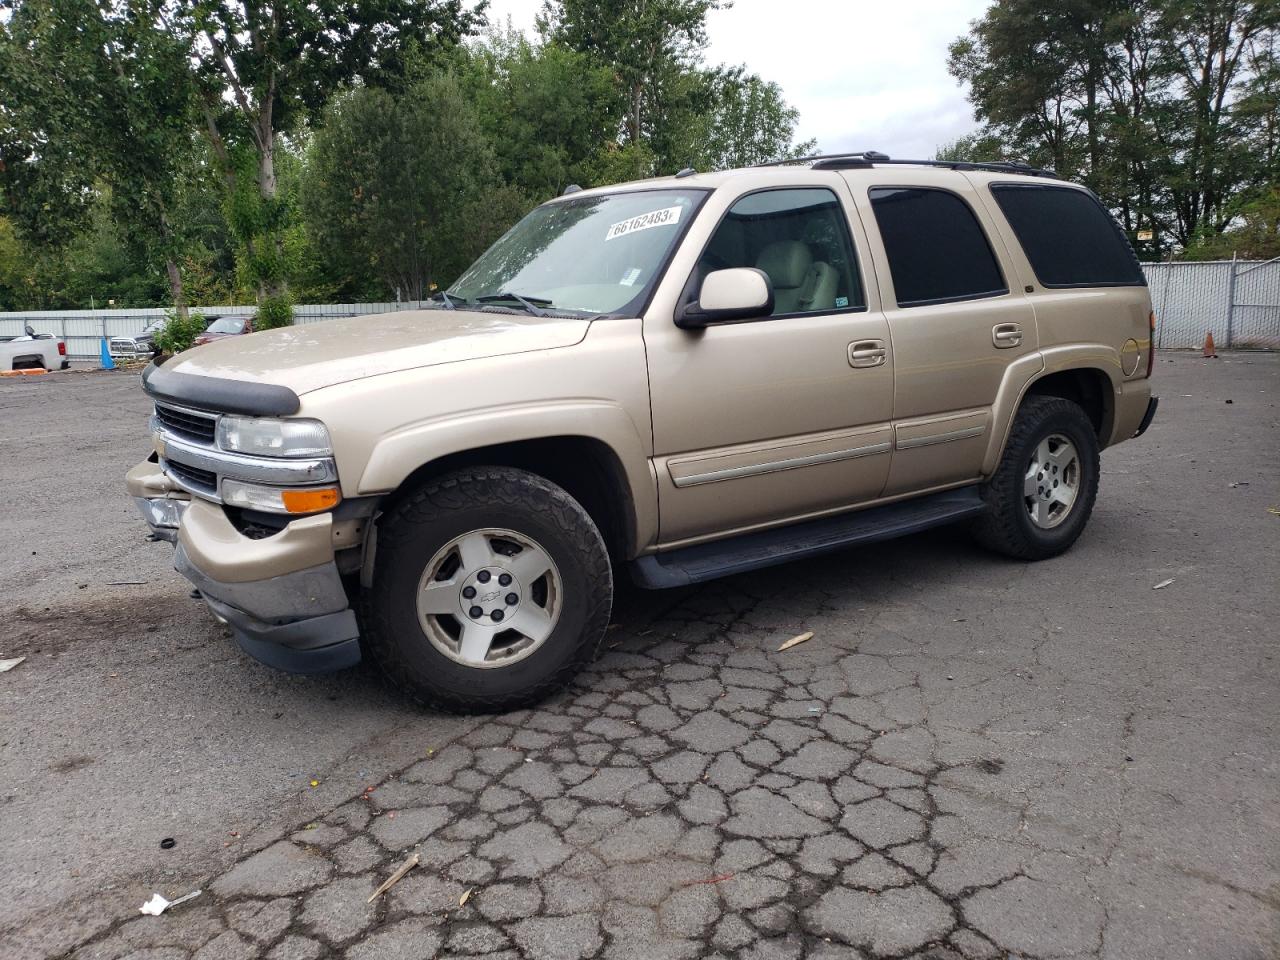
(800, 283)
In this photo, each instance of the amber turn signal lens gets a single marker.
(310, 501)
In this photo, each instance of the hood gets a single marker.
(313, 355)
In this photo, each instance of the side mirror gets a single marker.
(31, 331)
(739, 293)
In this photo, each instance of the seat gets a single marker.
(800, 283)
(786, 263)
(818, 292)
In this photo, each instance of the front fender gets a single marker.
(399, 454)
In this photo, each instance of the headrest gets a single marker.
(786, 262)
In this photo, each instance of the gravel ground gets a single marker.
(971, 758)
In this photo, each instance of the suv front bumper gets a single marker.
(282, 595)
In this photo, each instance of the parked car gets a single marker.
(222, 327)
(677, 379)
(143, 345)
(33, 351)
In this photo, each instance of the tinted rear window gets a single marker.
(1069, 238)
(936, 248)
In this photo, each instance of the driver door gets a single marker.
(783, 416)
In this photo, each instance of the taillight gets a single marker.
(1151, 347)
(62, 348)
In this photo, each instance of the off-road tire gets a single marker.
(444, 508)
(1007, 527)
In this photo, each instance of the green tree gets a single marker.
(118, 114)
(404, 189)
(548, 111)
(1167, 108)
(737, 120)
(643, 41)
(264, 67)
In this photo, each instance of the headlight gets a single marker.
(259, 496)
(273, 438)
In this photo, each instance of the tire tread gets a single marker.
(1000, 529)
(483, 486)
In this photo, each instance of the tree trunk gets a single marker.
(175, 288)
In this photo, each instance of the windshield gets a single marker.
(599, 254)
(226, 325)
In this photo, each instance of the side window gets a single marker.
(936, 248)
(1069, 238)
(800, 239)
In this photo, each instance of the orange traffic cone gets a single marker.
(1209, 352)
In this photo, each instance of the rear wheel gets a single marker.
(492, 587)
(1042, 494)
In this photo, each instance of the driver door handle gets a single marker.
(866, 353)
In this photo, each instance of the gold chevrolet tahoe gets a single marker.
(682, 379)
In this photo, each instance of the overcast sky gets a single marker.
(865, 76)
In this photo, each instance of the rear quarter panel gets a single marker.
(1099, 328)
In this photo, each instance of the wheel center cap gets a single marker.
(489, 596)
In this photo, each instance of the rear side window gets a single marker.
(1069, 238)
(936, 248)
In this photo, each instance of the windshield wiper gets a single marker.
(447, 300)
(533, 304)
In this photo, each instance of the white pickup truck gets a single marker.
(33, 352)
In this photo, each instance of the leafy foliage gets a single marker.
(233, 151)
(179, 332)
(1169, 109)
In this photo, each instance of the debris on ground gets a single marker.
(158, 904)
(395, 878)
(7, 665)
(125, 583)
(1162, 584)
(794, 641)
(462, 900)
(1240, 483)
(719, 878)
(168, 843)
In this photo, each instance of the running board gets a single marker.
(752, 551)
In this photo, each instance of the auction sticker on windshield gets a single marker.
(654, 218)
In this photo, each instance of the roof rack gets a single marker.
(873, 158)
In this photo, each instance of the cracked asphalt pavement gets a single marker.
(971, 758)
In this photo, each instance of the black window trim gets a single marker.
(963, 298)
(687, 296)
(1019, 185)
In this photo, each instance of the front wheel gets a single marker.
(1041, 495)
(492, 587)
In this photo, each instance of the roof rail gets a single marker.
(872, 158)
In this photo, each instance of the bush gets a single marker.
(178, 334)
(274, 312)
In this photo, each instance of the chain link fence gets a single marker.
(1238, 301)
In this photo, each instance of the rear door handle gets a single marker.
(867, 353)
(1006, 334)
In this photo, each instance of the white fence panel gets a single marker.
(1238, 301)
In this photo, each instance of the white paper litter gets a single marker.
(7, 665)
(1162, 584)
(158, 904)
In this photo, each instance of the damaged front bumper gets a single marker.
(281, 595)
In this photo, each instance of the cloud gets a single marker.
(864, 76)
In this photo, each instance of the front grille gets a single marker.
(186, 424)
(193, 476)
